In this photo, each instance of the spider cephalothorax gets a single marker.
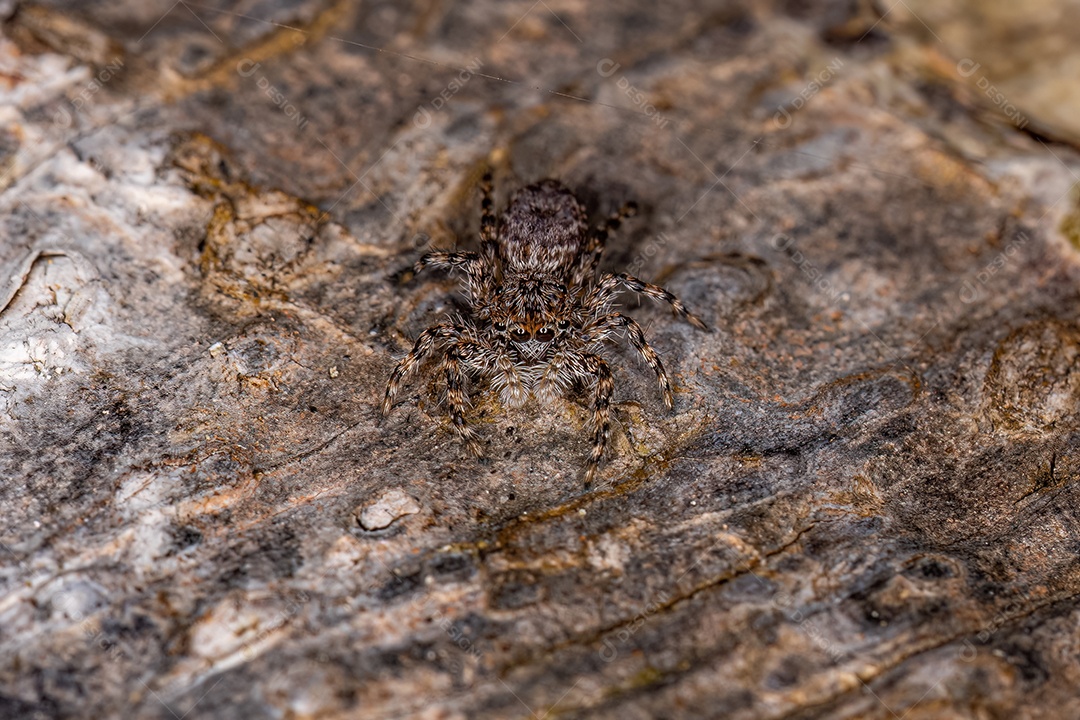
(539, 312)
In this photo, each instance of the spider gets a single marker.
(540, 314)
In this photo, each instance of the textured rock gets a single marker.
(389, 506)
(864, 504)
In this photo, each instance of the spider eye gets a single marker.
(545, 334)
(520, 334)
(564, 324)
(500, 327)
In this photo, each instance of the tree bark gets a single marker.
(864, 504)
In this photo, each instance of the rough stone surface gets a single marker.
(863, 506)
(390, 506)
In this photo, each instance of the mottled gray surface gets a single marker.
(863, 506)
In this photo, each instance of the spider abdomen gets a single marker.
(543, 229)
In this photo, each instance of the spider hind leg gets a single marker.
(601, 416)
(457, 400)
(597, 241)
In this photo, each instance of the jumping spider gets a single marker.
(539, 313)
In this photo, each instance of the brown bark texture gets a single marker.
(863, 505)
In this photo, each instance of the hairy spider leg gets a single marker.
(454, 363)
(606, 324)
(597, 240)
(468, 262)
(601, 424)
(605, 290)
(558, 376)
(489, 244)
(428, 341)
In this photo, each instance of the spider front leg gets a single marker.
(601, 423)
(506, 380)
(606, 324)
(556, 379)
(428, 341)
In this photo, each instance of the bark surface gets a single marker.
(864, 504)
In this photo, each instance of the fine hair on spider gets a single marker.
(539, 313)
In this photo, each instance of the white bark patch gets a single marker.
(390, 506)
